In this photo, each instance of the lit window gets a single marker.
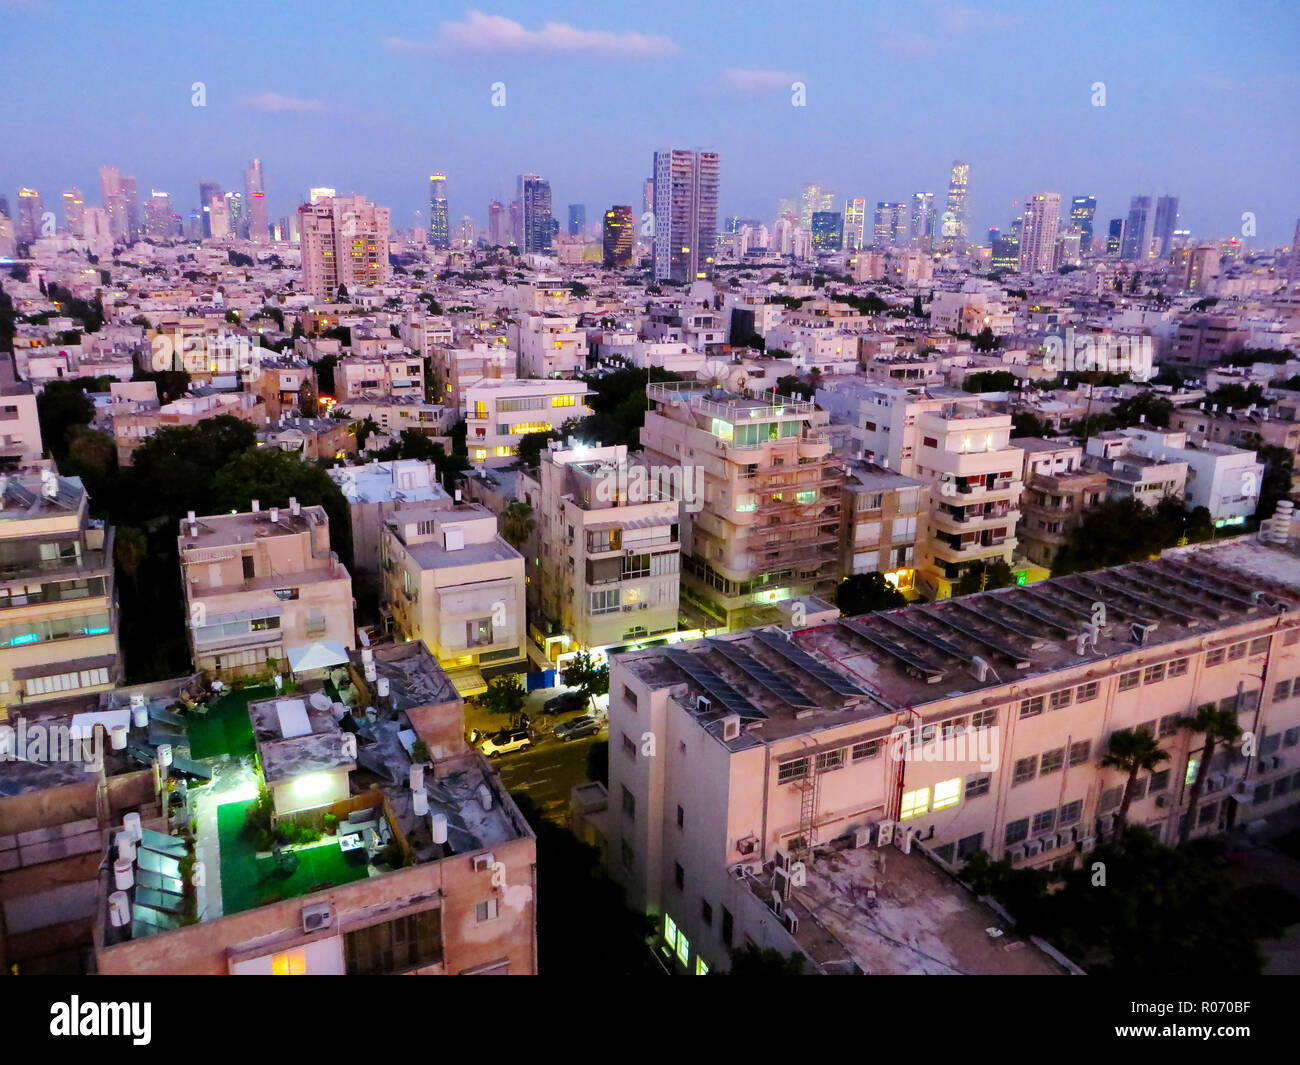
(290, 963)
(683, 948)
(701, 967)
(670, 931)
(947, 793)
(915, 803)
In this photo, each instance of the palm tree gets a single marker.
(517, 524)
(1131, 752)
(1218, 726)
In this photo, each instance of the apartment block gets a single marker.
(498, 413)
(885, 517)
(344, 244)
(450, 580)
(762, 524)
(20, 426)
(381, 374)
(262, 585)
(132, 429)
(58, 604)
(1132, 474)
(376, 492)
(456, 368)
(285, 383)
(1058, 493)
(976, 724)
(609, 545)
(549, 345)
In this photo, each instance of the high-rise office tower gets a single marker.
(255, 202)
(73, 211)
(827, 230)
(236, 219)
(1038, 230)
(27, 226)
(648, 199)
(465, 231)
(535, 198)
(1082, 211)
(1005, 248)
(1162, 229)
(618, 233)
(110, 185)
(131, 200)
(516, 223)
(439, 233)
(158, 216)
(956, 225)
(1115, 237)
(891, 225)
(208, 191)
(1137, 230)
(922, 229)
(577, 219)
(855, 224)
(810, 200)
(344, 242)
(498, 224)
(686, 213)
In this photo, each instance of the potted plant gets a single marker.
(331, 824)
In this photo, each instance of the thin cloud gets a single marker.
(479, 32)
(738, 79)
(275, 103)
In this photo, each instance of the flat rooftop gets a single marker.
(414, 676)
(227, 530)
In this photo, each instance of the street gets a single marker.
(547, 772)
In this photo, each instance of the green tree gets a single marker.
(505, 697)
(863, 593)
(985, 340)
(984, 577)
(1131, 752)
(363, 431)
(590, 679)
(1217, 726)
(63, 405)
(791, 386)
(1148, 407)
(171, 384)
(990, 381)
(130, 549)
(531, 446)
(1026, 424)
(750, 960)
(516, 524)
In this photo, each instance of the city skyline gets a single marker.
(290, 112)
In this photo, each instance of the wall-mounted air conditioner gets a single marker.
(317, 918)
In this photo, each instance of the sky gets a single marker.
(1201, 101)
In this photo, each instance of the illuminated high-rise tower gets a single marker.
(439, 233)
(27, 226)
(208, 191)
(1137, 230)
(618, 235)
(1038, 230)
(577, 219)
(535, 211)
(922, 229)
(74, 211)
(255, 202)
(955, 228)
(855, 224)
(1082, 211)
(686, 213)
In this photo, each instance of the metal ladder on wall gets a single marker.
(809, 788)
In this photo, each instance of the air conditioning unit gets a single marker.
(791, 922)
(777, 907)
(703, 704)
(731, 727)
(1106, 825)
(862, 837)
(317, 918)
(748, 845)
(1032, 847)
(752, 869)
(884, 833)
(1016, 854)
(1065, 838)
(782, 859)
(903, 837)
(1086, 843)
(482, 862)
(781, 883)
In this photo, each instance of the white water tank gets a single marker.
(419, 802)
(123, 874)
(119, 909)
(438, 826)
(164, 754)
(131, 822)
(137, 699)
(370, 673)
(381, 686)
(126, 845)
(367, 656)
(275, 515)
(140, 716)
(118, 737)
(417, 776)
(485, 796)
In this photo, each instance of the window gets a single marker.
(701, 966)
(629, 696)
(1153, 674)
(290, 963)
(866, 749)
(1282, 691)
(970, 846)
(1060, 700)
(606, 600)
(394, 946)
(978, 785)
(1031, 707)
(627, 856)
(1258, 646)
(629, 748)
(670, 931)
(1215, 658)
(1025, 770)
(250, 567)
(636, 566)
(1128, 681)
(1044, 822)
(794, 769)
(679, 876)
(629, 803)
(681, 817)
(1168, 725)
(829, 760)
(1070, 813)
(487, 911)
(1291, 737)
(947, 793)
(983, 719)
(706, 911)
(1178, 667)
(1110, 800)
(1087, 692)
(728, 926)
(478, 633)
(915, 803)
(954, 727)
(1017, 830)
(683, 948)
(1052, 761)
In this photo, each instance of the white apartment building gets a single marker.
(957, 727)
(1130, 474)
(375, 492)
(549, 345)
(498, 413)
(1222, 478)
(609, 546)
(395, 374)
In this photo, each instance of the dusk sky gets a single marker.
(1202, 101)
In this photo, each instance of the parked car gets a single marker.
(506, 741)
(576, 727)
(565, 702)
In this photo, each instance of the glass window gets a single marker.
(947, 793)
(915, 803)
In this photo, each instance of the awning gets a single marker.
(468, 682)
(316, 656)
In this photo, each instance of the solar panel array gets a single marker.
(837, 683)
(761, 674)
(715, 686)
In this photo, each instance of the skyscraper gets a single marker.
(618, 235)
(1115, 237)
(110, 185)
(1082, 211)
(956, 226)
(158, 216)
(891, 225)
(439, 234)
(686, 213)
(648, 200)
(1038, 229)
(810, 200)
(73, 211)
(344, 242)
(498, 224)
(855, 224)
(1162, 229)
(131, 202)
(238, 222)
(922, 231)
(27, 226)
(827, 230)
(535, 201)
(1137, 230)
(208, 191)
(255, 202)
(577, 219)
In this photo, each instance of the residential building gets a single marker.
(618, 236)
(884, 523)
(1058, 493)
(439, 231)
(1038, 231)
(549, 345)
(384, 373)
(20, 425)
(498, 413)
(1224, 479)
(686, 214)
(375, 492)
(1133, 474)
(955, 226)
(344, 245)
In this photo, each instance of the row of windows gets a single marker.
(1044, 821)
(64, 682)
(1059, 700)
(797, 768)
(1238, 650)
(1053, 761)
(55, 629)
